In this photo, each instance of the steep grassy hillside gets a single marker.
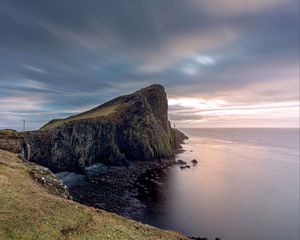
(102, 111)
(28, 211)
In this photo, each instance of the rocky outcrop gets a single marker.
(49, 181)
(133, 127)
(11, 140)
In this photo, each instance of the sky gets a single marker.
(223, 63)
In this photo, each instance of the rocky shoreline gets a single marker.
(120, 190)
(114, 188)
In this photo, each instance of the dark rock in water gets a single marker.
(181, 162)
(126, 129)
(194, 161)
(187, 166)
(182, 167)
(191, 150)
(116, 188)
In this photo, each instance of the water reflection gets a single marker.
(237, 190)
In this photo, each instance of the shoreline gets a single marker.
(26, 190)
(114, 189)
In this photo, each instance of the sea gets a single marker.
(244, 187)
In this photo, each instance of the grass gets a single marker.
(93, 113)
(7, 131)
(28, 211)
(10, 133)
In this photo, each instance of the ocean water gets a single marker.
(244, 187)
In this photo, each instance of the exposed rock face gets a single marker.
(129, 128)
(48, 180)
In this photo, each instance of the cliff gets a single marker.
(11, 140)
(133, 127)
(28, 210)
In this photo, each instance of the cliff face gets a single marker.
(134, 127)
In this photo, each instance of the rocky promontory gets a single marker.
(127, 129)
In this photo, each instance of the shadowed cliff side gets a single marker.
(133, 127)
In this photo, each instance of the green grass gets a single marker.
(93, 113)
(28, 211)
(10, 133)
(7, 131)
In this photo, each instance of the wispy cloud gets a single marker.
(35, 69)
(244, 53)
(238, 7)
(204, 60)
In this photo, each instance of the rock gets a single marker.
(182, 167)
(187, 166)
(194, 161)
(96, 169)
(181, 162)
(48, 180)
(191, 150)
(129, 128)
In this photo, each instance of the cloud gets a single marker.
(238, 7)
(35, 69)
(20, 103)
(204, 60)
(190, 69)
(56, 60)
(224, 114)
(185, 47)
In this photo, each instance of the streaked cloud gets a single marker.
(204, 60)
(35, 69)
(190, 69)
(224, 58)
(20, 103)
(238, 7)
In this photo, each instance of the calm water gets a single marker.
(245, 186)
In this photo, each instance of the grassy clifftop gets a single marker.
(29, 211)
(102, 111)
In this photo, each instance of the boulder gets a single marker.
(48, 180)
(194, 161)
(181, 162)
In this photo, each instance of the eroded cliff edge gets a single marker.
(129, 128)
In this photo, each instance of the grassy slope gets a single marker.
(28, 211)
(94, 113)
